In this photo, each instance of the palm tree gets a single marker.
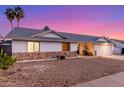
(19, 14)
(10, 15)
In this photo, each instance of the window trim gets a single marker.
(38, 46)
(34, 46)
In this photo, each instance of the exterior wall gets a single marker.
(19, 46)
(73, 46)
(80, 46)
(41, 55)
(50, 35)
(50, 46)
(47, 50)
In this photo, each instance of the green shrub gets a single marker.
(6, 61)
(86, 50)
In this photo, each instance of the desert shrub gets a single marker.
(6, 61)
(90, 54)
(86, 51)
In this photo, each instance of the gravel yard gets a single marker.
(59, 73)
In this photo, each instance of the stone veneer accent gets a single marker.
(41, 55)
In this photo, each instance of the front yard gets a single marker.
(60, 73)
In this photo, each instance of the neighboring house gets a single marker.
(118, 46)
(1, 41)
(1, 37)
(28, 44)
(5, 45)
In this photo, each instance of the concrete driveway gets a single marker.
(118, 57)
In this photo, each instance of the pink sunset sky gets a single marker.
(90, 20)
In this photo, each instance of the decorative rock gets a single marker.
(42, 55)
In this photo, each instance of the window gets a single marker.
(36, 47)
(30, 47)
(33, 46)
(66, 46)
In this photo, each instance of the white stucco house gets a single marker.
(27, 44)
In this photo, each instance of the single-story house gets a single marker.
(28, 44)
(118, 46)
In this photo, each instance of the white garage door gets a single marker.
(103, 50)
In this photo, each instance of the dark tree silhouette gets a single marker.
(10, 15)
(19, 14)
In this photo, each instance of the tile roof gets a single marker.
(78, 37)
(26, 33)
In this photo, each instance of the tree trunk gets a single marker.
(11, 25)
(18, 23)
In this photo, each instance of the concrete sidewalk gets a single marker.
(116, 80)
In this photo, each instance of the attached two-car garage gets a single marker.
(103, 49)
